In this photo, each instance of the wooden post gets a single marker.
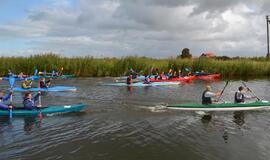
(267, 25)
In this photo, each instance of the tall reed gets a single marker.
(100, 67)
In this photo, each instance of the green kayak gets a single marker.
(222, 106)
(44, 110)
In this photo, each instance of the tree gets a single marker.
(185, 53)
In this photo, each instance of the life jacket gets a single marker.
(128, 80)
(146, 80)
(28, 103)
(43, 84)
(206, 100)
(239, 97)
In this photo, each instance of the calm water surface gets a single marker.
(122, 123)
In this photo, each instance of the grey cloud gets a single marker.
(158, 28)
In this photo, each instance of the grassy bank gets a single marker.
(93, 67)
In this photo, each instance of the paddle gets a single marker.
(251, 91)
(11, 83)
(39, 100)
(61, 72)
(223, 90)
(39, 97)
(36, 72)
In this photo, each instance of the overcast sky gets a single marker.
(115, 28)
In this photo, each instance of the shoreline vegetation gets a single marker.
(114, 67)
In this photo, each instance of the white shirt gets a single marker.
(209, 94)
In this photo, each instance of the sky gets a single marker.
(117, 28)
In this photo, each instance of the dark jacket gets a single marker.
(44, 84)
(30, 103)
(3, 99)
(206, 100)
(239, 97)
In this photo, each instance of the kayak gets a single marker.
(65, 76)
(209, 77)
(184, 79)
(50, 89)
(141, 84)
(44, 110)
(16, 78)
(221, 106)
(38, 77)
(140, 77)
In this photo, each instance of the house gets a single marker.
(208, 54)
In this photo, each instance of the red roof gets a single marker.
(208, 54)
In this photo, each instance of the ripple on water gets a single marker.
(120, 123)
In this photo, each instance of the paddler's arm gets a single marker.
(249, 97)
(212, 94)
(7, 96)
(218, 93)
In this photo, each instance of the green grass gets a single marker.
(100, 67)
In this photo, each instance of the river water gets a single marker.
(121, 123)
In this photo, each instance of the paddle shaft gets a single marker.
(223, 90)
(39, 97)
(11, 83)
(251, 91)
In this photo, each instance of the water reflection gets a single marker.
(206, 118)
(130, 89)
(5, 122)
(30, 123)
(225, 136)
(239, 117)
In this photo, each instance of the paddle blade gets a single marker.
(36, 72)
(11, 81)
(10, 113)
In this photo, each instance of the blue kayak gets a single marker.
(44, 110)
(35, 77)
(141, 84)
(50, 89)
(16, 78)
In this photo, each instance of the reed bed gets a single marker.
(101, 67)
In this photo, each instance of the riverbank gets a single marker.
(101, 67)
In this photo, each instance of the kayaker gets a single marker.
(180, 73)
(174, 74)
(53, 73)
(156, 76)
(29, 101)
(26, 84)
(129, 79)
(21, 75)
(10, 74)
(44, 83)
(146, 80)
(170, 74)
(161, 76)
(4, 98)
(208, 94)
(239, 96)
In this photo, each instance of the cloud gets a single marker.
(154, 28)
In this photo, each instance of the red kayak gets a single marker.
(209, 77)
(183, 79)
